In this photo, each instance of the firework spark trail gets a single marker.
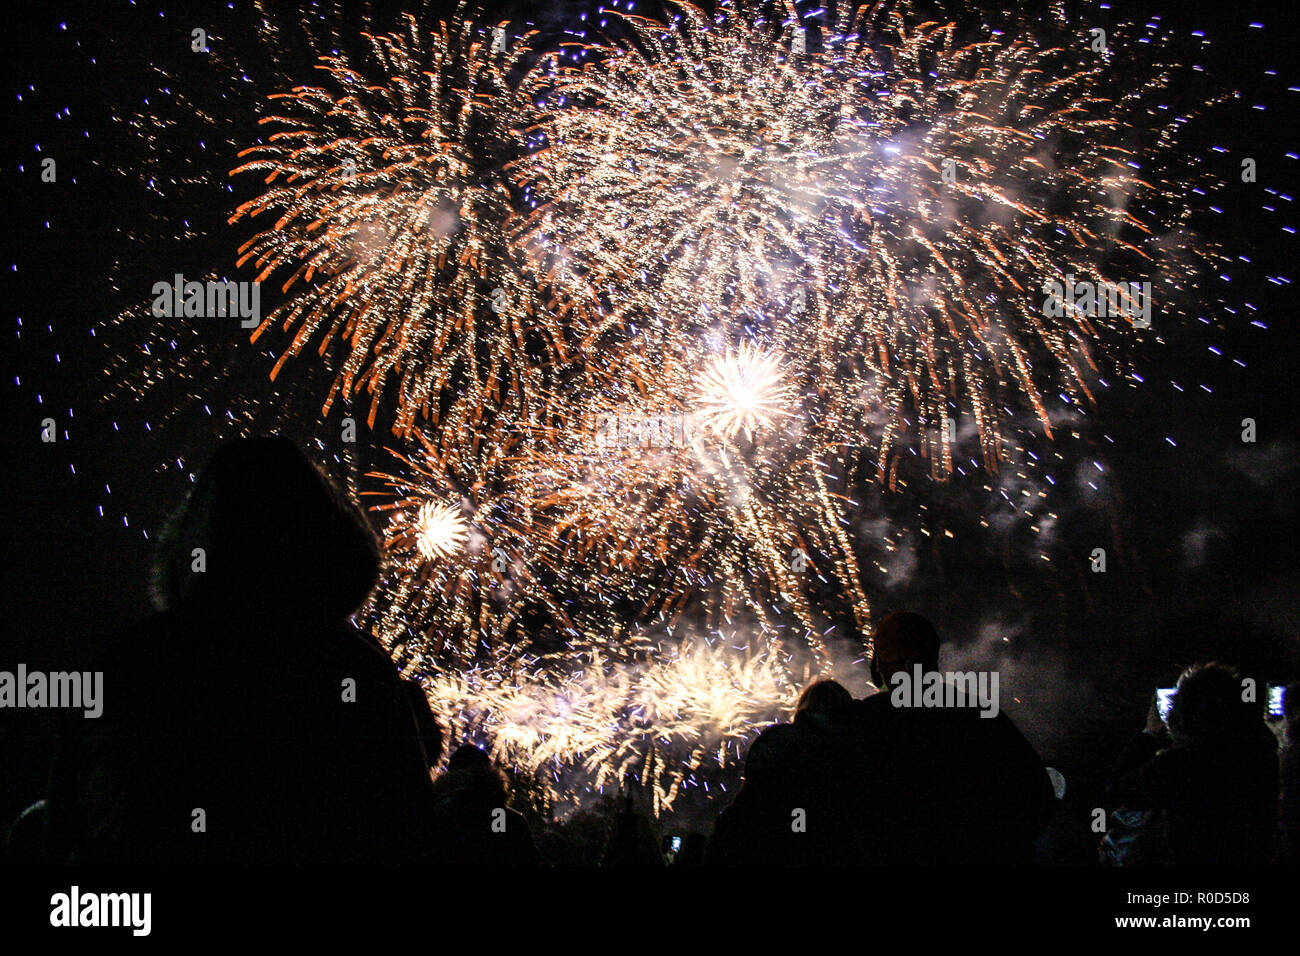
(611, 547)
(695, 699)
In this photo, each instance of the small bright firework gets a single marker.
(440, 530)
(743, 390)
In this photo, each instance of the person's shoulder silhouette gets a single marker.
(248, 721)
(791, 809)
(945, 784)
(1213, 776)
(472, 825)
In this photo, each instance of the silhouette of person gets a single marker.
(938, 785)
(471, 824)
(425, 721)
(25, 843)
(790, 809)
(1214, 776)
(631, 841)
(1289, 769)
(248, 721)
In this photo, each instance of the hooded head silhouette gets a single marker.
(265, 533)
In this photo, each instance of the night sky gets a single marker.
(1200, 527)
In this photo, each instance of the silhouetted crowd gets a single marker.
(251, 723)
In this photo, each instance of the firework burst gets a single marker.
(386, 214)
(881, 199)
(809, 237)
